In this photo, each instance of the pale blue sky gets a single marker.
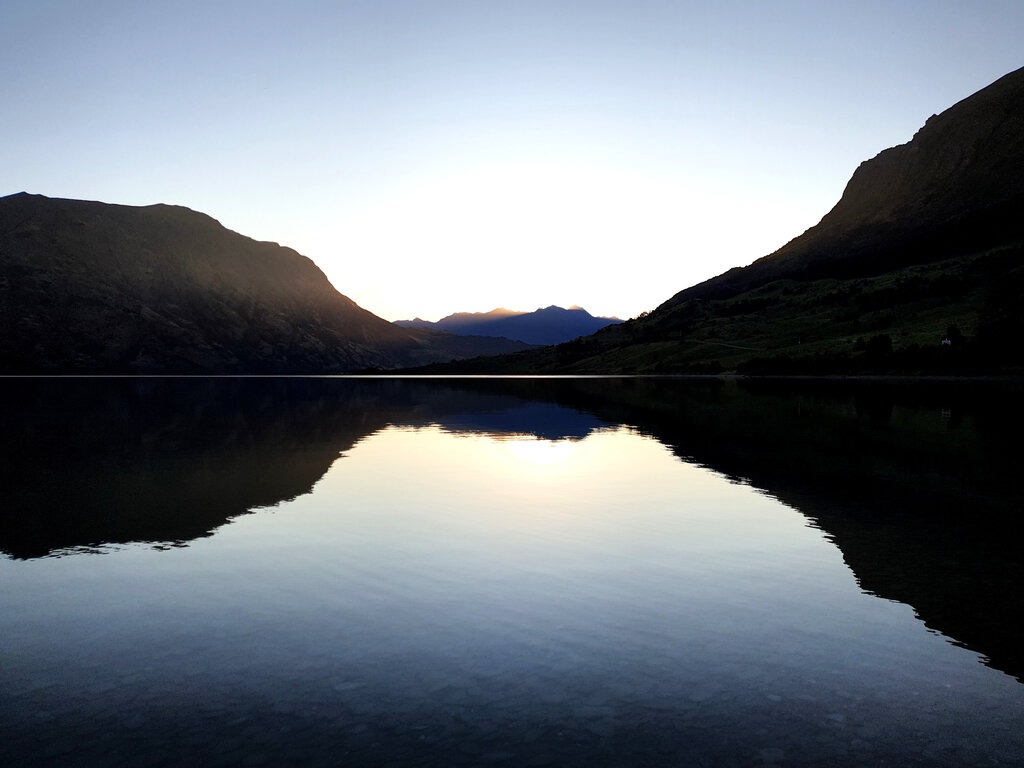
(442, 156)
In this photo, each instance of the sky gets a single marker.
(461, 155)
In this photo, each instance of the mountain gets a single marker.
(551, 325)
(87, 287)
(956, 185)
(460, 320)
(919, 268)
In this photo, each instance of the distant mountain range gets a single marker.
(87, 287)
(918, 269)
(551, 325)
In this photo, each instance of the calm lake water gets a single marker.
(529, 572)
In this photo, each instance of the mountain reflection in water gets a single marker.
(90, 463)
(915, 483)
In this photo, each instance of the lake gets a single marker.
(523, 572)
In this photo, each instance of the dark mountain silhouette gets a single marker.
(87, 287)
(925, 245)
(550, 325)
(956, 187)
(916, 484)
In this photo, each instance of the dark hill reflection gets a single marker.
(916, 483)
(94, 462)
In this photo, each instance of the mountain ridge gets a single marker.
(940, 182)
(90, 287)
(543, 326)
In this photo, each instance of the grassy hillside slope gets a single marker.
(925, 246)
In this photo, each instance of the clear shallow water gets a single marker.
(455, 576)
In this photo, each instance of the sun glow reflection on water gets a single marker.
(542, 453)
